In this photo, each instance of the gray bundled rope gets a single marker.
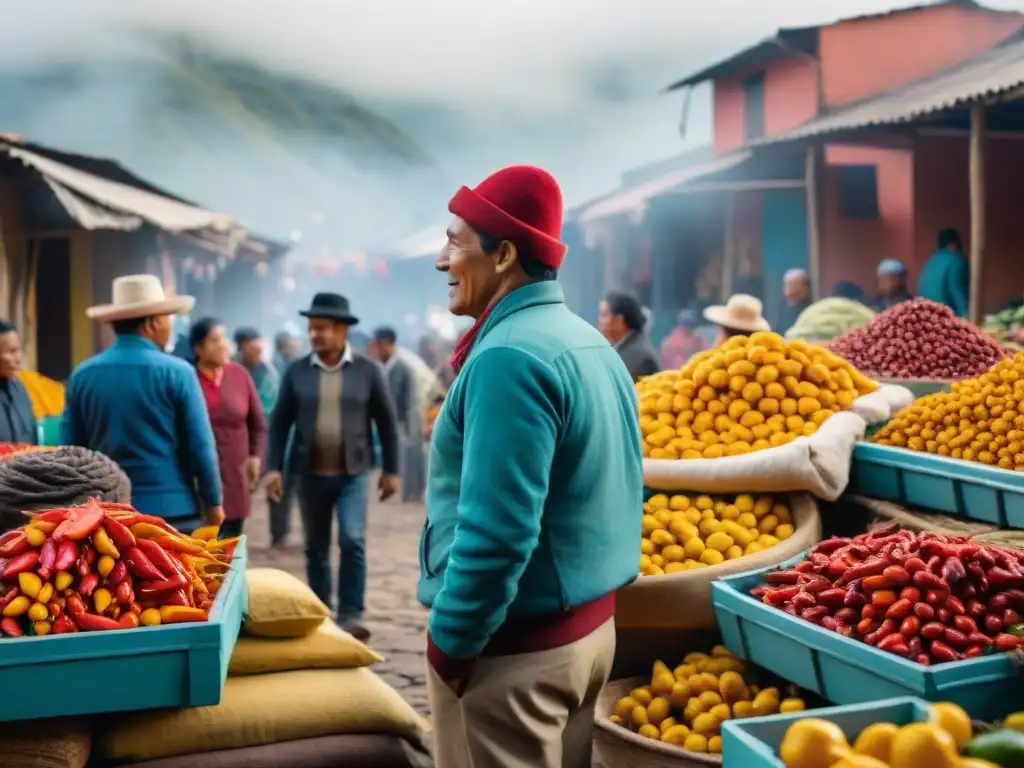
(59, 478)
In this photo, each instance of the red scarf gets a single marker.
(465, 343)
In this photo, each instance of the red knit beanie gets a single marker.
(521, 204)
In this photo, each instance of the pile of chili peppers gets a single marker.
(928, 597)
(105, 566)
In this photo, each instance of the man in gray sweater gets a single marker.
(406, 396)
(329, 398)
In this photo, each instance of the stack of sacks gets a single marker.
(299, 693)
(60, 743)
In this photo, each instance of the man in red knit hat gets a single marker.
(533, 496)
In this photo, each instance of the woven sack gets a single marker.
(819, 464)
(918, 520)
(683, 600)
(618, 747)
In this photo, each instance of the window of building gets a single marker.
(857, 191)
(753, 106)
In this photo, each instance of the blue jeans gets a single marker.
(320, 498)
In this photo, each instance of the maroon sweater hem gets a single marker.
(528, 636)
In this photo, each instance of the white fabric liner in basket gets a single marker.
(683, 600)
(819, 464)
(618, 747)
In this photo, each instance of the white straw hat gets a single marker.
(140, 296)
(740, 313)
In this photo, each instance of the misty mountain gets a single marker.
(282, 152)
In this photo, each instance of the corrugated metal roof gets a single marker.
(797, 40)
(992, 74)
(632, 200)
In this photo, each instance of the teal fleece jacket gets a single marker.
(535, 478)
(946, 279)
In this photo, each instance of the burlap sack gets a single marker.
(819, 464)
(683, 600)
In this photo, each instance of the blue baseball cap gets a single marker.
(891, 267)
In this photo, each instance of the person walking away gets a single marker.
(236, 414)
(739, 316)
(535, 475)
(330, 397)
(249, 343)
(287, 349)
(143, 408)
(405, 395)
(17, 420)
(621, 321)
(796, 289)
(682, 344)
(892, 285)
(946, 276)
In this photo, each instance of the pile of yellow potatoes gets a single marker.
(751, 393)
(683, 532)
(686, 706)
(980, 419)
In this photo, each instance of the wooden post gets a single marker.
(977, 189)
(729, 246)
(811, 175)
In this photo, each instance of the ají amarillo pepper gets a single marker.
(17, 607)
(174, 614)
(104, 545)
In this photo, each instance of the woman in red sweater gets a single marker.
(236, 416)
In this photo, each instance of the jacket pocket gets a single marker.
(425, 550)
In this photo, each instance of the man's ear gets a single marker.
(507, 257)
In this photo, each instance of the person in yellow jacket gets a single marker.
(47, 395)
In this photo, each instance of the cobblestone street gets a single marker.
(397, 621)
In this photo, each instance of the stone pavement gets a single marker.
(397, 621)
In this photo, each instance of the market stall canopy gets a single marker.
(633, 199)
(996, 74)
(99, 203)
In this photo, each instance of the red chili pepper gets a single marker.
(913, 594)
(847, 615)
(1015, 596)
(814, 586)
(128, 620)
(67, 555)
(1011, 617)
(942, 652)
(75, 605)
(17, 545)
(778, 596)
(899, 609)
(924, 611)
(52, 516)
(872, 583)
(755, 592)
(894, 644)
(992, 623)
(955, 606)
(64, 625)
(119, 533)
(82, 566)
(867, 626)
(166, 565)
(56, 607)
(123, 593)
(914, 646)
(807, 566)
(965, 624)
(1000, 577)
(887, 628)
(140, 565)
(804, 600)
(179, 598)
(8, 596)
(20, 564)
(870, 612)
(933, 630)
(829, 545)
(833, 598)
(967, 591)
(10, 627)
(896, 575)
(815, 614)
(88, 584)
(855, 599)
(923, 659)
(1006, 642)
(910, 627)
(928, 580)
(80, 523)
(883, 597)
(90, 622)
(975, 608)
(176, 582)
(936, 596)
(915, 564)
(48, 555)
(979, 638)
(872, 567)
(118, 575)
(943, 615)
(955, 638)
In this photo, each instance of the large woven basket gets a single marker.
(683, 600)
(618, 747)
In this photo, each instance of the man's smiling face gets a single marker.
(473, 279)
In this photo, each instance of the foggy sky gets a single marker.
(514, 71)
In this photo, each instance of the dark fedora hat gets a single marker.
(331, 306)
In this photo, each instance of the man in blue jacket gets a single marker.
(534, 493)
(144, 409)
(946, 276)
(17, 421)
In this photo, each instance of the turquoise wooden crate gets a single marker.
(961, 488)
(846, 671)
(754, 743)
(180, 665)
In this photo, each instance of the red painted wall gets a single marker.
(790, 98)
(852, 248)
(864, 57)
(943, 200)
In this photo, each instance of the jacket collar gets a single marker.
(532, 295)
(134, 341)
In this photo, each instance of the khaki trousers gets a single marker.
(530, 710)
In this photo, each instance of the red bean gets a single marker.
(992, 623)
(933, 630)
(942, 652)
(899, 610)
(1005, 642)
(913, 594)
(924, 611)
(965, 624)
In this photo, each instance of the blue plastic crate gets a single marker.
(179, 665)
(755, 743)
(847, 671)
(956, 487)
